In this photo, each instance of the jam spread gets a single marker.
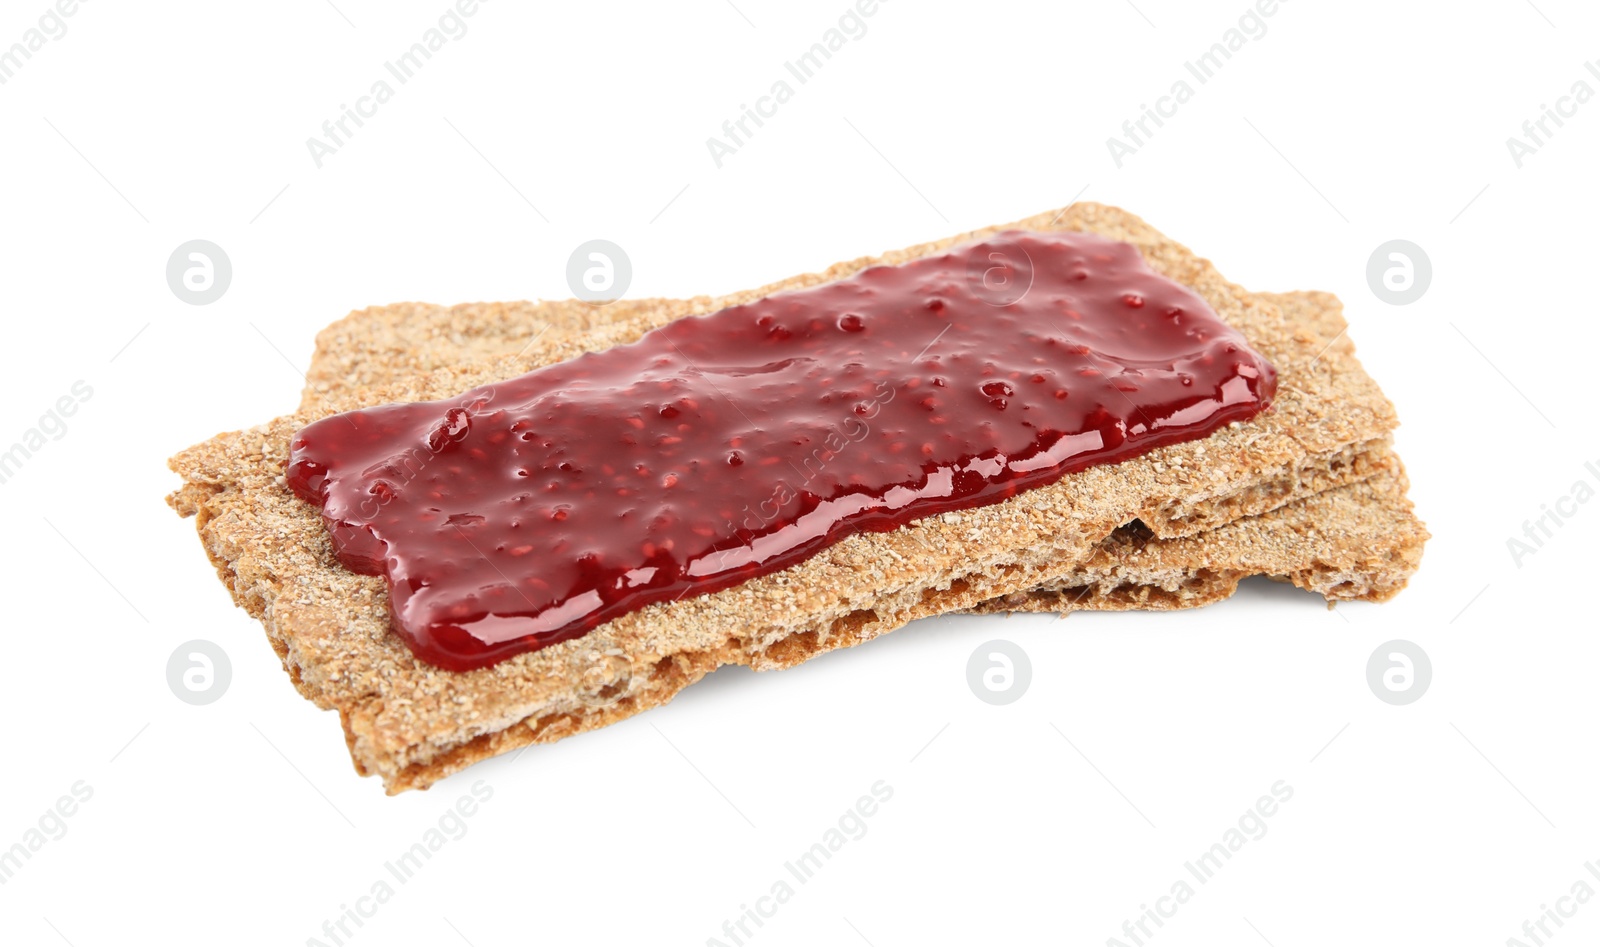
(722, 447)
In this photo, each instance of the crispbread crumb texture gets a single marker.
(1358, 542)
(412, 724)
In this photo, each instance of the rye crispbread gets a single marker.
(413, 724)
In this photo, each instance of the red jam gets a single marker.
(731, 445)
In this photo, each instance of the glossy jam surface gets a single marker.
(730, 445)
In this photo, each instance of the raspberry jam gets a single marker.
(731, 445)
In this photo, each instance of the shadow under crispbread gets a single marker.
(412, 724)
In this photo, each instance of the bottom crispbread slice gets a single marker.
(1357, 541)
(413, 724)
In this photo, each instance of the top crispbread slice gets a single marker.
(413, 724)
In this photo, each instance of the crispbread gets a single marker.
(413, 724)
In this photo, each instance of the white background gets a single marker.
(1451, 820)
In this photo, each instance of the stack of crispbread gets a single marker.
(1309, 491)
